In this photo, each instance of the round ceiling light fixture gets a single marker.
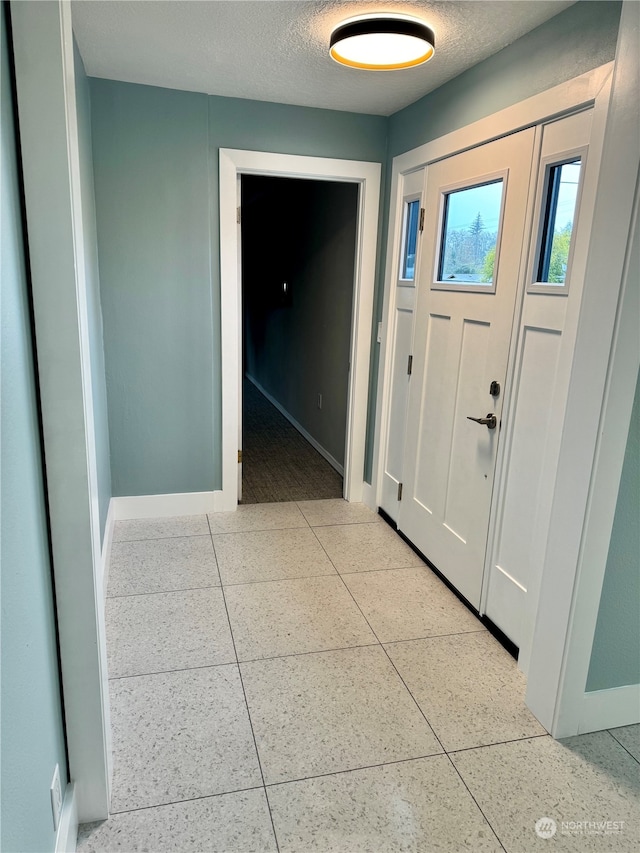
(382, 42)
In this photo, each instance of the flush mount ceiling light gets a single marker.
(382, 42)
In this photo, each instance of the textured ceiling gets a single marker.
(276, 50)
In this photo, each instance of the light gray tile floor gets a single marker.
(476, 701)
(160, 528)
(409, 604)
(228, 822)
(190, 630)
(580, 784)
(295, 616)
(331, 695)
(269, 555)
(159, 565)
(405, 806)
(629, 737)
(365, 547)
(180, 735)
(337, 511)
(275, 516)
(319, 713)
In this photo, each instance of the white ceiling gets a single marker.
(277, 50)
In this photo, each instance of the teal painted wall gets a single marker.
(156, 178)
(615, 656)
(151, 174)
(31, 719)
(96, 344)
(575, 41)
(157, 208)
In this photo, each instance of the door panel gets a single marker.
(461, 344)
(404, 328)
(401, 337)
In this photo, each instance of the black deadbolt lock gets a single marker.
(494, 389)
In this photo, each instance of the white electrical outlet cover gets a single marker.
(56, 797)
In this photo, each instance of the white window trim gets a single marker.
(406, 201)
(546, 164)
(481, 180)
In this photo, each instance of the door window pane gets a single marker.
(560, 209)
(469, 234)
(411, 215)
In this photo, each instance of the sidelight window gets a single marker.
(561, 200)
(410, 239)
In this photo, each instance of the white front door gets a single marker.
(476, 205)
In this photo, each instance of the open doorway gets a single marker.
(298, 257)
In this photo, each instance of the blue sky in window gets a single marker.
(567, 194)
(464, 206)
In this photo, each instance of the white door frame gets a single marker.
(579, 93)
(560, 656)
(601, 393)
(44, 62)
(234, 163)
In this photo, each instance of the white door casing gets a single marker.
(367, 175)
(240, 344)
(461, 344)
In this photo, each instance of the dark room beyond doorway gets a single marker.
(298, 261)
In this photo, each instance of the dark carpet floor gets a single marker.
(278, 464)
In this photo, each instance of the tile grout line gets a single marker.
(210, 533)
(248, 660)
(304, 526)
(377, 641)
(450, 760)
(489, 824)
(332, 574)
(237, 662)
(275, 580)
(356, 769)
(496, 743)
(444, 752)
(420, 565)
(622, 745)
(179, 669)
(165, 591)
(156, 538)
(433, 637)
(246, 702)
(188, 800)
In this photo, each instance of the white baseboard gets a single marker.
(106, 545)
(162, 506)
(369, 496)
(294, 423)
(67, 834)
(609, 709)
